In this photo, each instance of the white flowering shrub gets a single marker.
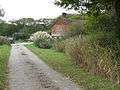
(42, 39)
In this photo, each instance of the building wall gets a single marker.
(59, 28)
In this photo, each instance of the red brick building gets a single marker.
(60, 26)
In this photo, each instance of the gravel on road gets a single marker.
(28, 72)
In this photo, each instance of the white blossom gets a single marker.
(40, 35)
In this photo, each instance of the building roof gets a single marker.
(68, 20)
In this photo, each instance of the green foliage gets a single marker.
(4, 54)
(94, 46)
(94, 57)
(90, 25)
(59, 45)
(26, 27)
(103, 22)
(61, 63)
(91, 6)
(76, 28)
(20, 36)
(7, 29)
(98, 51)
(74, 49)
(75, 17)
(105, 13)
(23, 28)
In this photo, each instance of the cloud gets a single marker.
(16, 9)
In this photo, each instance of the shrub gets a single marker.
(59, 45)
(74, 48)
(21, 36)
(4, 40)
(76, 28)
(42, 39)
(94, 58)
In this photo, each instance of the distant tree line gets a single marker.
(23, 28)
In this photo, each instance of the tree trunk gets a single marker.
(116, 15)
(117, 8)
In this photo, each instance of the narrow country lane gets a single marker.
(28, 72)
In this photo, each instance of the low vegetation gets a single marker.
(94, 58)
(42, 39)
(94, 45)
(4, 54)
(59, 45)
(4, 40)
(62, 63)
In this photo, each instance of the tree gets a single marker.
(104, 18)
(98, 9)
(94, 6)
(28, 26)
(24, 27)
(2, 12)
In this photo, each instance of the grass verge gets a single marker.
(61, 63)
(4, 54)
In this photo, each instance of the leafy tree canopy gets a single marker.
(94, 6)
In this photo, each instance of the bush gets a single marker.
(59, 45)
(94, 58)
(76, 28)
(42, 39)
(21, 36)
(4, 40)
(74, 48)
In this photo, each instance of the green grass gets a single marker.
(4, 53)
(61, 63)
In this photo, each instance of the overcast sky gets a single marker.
(15, 9)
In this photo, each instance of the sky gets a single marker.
(16, 9)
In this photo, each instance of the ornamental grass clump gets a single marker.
(42, 39)
(93, 58)
(59, 45)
